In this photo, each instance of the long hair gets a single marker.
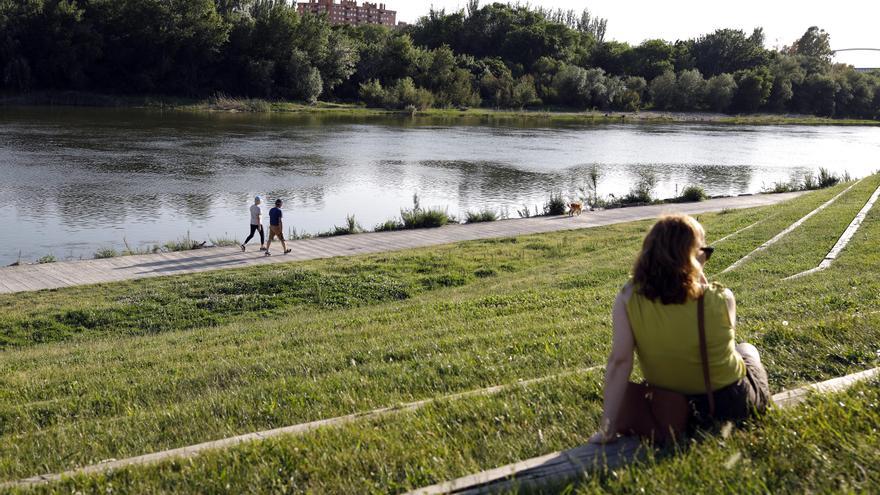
(667, 267)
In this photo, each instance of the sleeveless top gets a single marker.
(667, 342)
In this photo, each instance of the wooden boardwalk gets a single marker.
(84, 272)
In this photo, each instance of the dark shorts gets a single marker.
(737, 401)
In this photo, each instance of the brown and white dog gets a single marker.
(575, 209)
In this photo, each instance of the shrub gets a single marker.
(224, 242)
(827, 178)
(183, 244)
(485, 215)
(222, 102)
(351, 227)
(46, 259)
(810, 182)
(524, 93)
(555, 205)
(105, 253)
(389, 225)
(405, 93)
(692, 194)
(372, 93)
(424, 219)
(417, 218)
(641, 193)
(781, 187)
(526, 212)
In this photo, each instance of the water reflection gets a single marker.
(86, 178)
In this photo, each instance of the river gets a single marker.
(74, 180)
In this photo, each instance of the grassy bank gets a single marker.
(542, 116)
(112, 371)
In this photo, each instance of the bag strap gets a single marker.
(704, 354)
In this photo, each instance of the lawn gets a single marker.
(118, 370)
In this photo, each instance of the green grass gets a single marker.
(112, 371)
(830, 445)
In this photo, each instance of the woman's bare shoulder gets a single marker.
(626, 292)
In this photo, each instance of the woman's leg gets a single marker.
(262, 235)
(748, 350)
(758, 395)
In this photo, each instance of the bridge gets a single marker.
(860, 69)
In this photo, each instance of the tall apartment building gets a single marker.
(349, 12)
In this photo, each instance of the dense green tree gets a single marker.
(729, 50)
(720, 90)
(613, 57)
(753, 89)
(524, 93)
(496, 55)
(582, 88)
(690, 88)
(652, 58)
(786, 72)
(662, 90)
(638, 85)
(817, 95)
(815, 43)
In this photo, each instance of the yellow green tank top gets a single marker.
(668, 343)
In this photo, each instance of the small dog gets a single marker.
(575, 209)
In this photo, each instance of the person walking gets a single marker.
(276, 227)
(256, 225)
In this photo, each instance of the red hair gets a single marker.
(667, 267)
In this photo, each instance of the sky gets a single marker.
(851, 23)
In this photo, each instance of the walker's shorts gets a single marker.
(275, 231)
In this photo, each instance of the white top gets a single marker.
(256, 215)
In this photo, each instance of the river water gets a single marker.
(74, 180)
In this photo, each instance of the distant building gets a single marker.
(866, 69)
(349, 12)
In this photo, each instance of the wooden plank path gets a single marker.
(559, 468)
(84, 272)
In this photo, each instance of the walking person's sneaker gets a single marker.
(268, 253)
(287, 251)
(243, 248)
(262, 248)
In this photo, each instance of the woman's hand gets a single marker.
(602, 438)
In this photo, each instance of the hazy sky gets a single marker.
(851, 23)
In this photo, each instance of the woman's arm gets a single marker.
(731, 306)
(617, 372)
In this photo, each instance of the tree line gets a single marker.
(498, 55)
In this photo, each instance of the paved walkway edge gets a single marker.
(788, 230)
(85, 272)
(841, 244)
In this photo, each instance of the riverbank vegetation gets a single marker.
(246, 55)
(116, 370)
(417, 217)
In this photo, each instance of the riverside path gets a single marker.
(27, 278)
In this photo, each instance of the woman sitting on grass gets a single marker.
(656, 315)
